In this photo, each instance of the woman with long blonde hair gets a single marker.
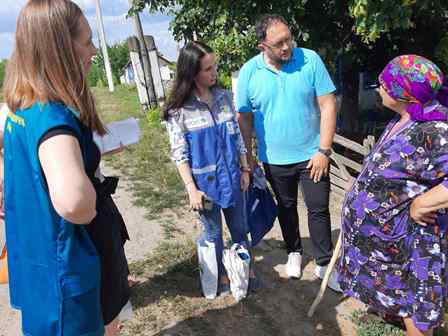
(66, 277)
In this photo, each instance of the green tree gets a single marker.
(330, 26)
(441, 52)
(351, 35)
(118, 56)
(95, 74)
(2, 71)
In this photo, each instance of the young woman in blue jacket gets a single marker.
(208, 149)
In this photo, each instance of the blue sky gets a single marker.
(117, 27)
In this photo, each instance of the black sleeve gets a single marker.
(57, 131)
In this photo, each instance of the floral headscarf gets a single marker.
(419, 82)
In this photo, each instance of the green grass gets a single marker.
(171, 291)
(376, 327)
(172, 273)
(120, 104)
(168, 257)
(169, 301)
(156, 184)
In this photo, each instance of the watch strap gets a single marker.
(326, 152)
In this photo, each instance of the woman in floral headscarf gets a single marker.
(394, 223)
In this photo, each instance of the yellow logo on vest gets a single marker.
(16, 119)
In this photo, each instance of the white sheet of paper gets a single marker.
(4, 110)
(3, 115)
(119, 133)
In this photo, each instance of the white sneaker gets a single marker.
(294, 265)
(333, 283)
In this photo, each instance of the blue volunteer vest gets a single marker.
(54, 269)
(215, 167)
(214, 157)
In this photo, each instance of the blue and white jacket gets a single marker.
(210, 141)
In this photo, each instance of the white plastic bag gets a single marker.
(237, 262)
(208, 268)
(126, 313)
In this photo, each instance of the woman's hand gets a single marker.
(195, 197)
(115, 151)
(421, 215)
(245, 180)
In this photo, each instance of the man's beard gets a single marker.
(278, 60)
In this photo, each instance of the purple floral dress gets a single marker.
(388, 261)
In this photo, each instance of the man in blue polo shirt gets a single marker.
(286, 94)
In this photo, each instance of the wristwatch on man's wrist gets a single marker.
(326, 152)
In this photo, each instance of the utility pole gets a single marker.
(153, 56)
(103, 44)
(152, 99)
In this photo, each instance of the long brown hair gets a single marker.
(188, 67)
(44, 66)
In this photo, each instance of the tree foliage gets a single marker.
(118, 56)
(351, 35)
(95, 74)
(365, 32)
(2, 71)
(373, 18)
(404, 26)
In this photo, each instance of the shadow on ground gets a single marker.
(170, 303)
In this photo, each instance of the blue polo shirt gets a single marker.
(284, 104)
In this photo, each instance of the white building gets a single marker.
(167, 74)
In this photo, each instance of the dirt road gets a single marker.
(287, 300)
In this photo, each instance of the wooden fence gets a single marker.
(344, 166)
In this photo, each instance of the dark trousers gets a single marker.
(284, 180)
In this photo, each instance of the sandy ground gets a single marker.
(145, 234)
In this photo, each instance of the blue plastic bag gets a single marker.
(261, 210)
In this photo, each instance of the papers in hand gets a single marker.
(119, 134)
(4, 110)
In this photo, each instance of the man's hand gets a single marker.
(319, 166)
